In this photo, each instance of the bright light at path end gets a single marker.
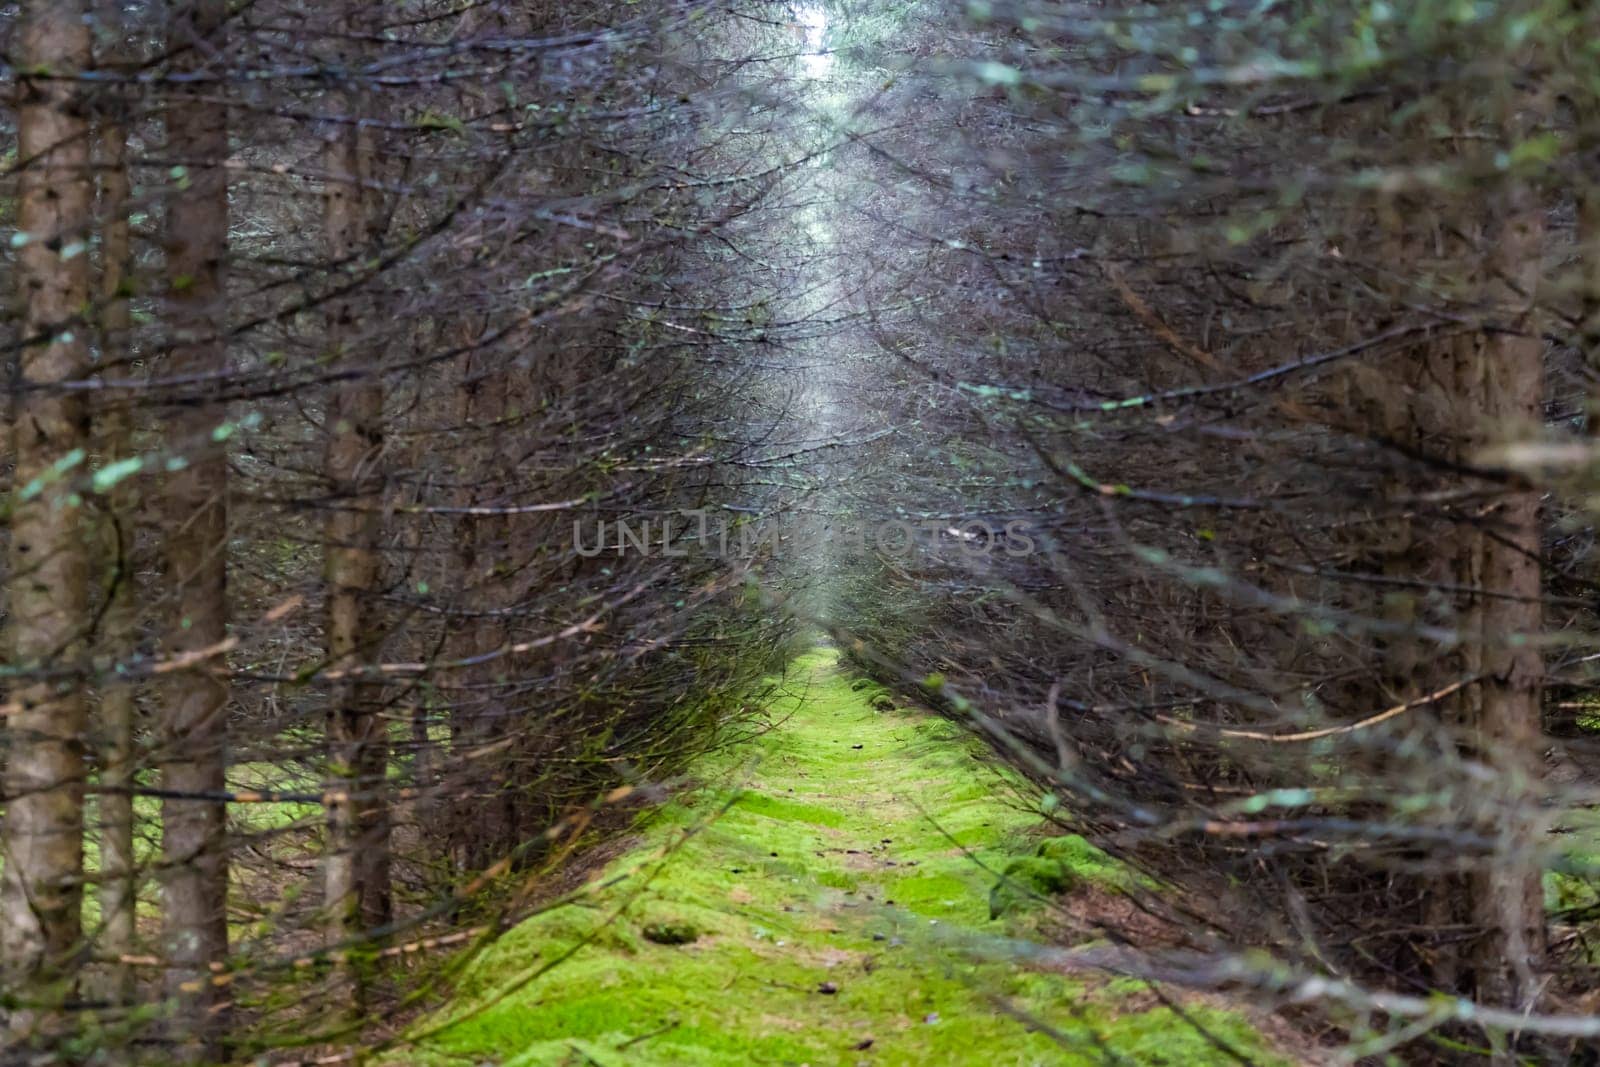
(814, 20)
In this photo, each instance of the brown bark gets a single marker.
(1508, 375)
(463, 782)
(357, 873)
(475, 713)
(42, 880)
(120, 635)
(1477, 390)
(194, 712)
(1453, 400)
(1589, 278)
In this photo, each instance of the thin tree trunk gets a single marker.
(1452, 399)
(420, 811)
(1589, 251)
(1488, 388)
(1508, 369)
(475, 711)
(196, 542)
(42, 881)
(492, 841)
(357, 874)
(120, 635)
(465, 780)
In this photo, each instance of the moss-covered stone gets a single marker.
(883, 702)
(671, 932)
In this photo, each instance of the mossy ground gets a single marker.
(831, 871)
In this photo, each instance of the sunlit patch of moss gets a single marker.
(263, 817)
(778, 808)
(1564, 892)
(146, 833)
(1573, 887)
(800, 956)
(1078, 856)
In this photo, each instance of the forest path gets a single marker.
(825, 873)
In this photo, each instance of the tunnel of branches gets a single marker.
(430, 427)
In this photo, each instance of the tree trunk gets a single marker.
(196, 543)
(1482, 389)
(476, 710)
(120, 634)
(357, 885)
(1451, 400)
(42, 880)
(1508, 373)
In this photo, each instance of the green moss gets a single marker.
(834, 814)
(1573, 885)
(1077, 855)
(1029, 878)
(778, 808)
(671, 932)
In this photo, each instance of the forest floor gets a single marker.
(821, 895)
